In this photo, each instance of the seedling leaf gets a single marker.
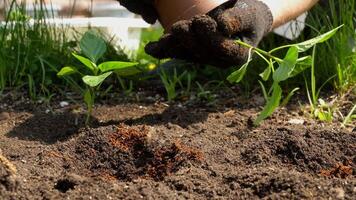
(306, 45)
(272, 104)
(287, 66)
(267, 72)
(126, 68)
(94, 81)
(65, 71)
(92, 46)
(238, 75)
(89, 64)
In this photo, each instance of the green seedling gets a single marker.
(324, 111)
(291, 65)
(170, 83)
(207, 91)
(93, 47)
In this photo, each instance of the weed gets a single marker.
(126, 85)
(170, 82)
(94, 47)
(206, 92)
(291, 65)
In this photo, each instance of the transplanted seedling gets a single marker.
(93, 48)
(291, 65)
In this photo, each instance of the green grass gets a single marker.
(32, 54)
(336, 57)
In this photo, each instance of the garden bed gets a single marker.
(150, 150)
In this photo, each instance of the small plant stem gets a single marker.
(90, 106)
(313, 81)
(259, 50)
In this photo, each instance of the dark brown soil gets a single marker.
(155, 151)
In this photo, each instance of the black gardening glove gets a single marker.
(210, 39)
(144, 8)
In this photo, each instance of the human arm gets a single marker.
(286, 10)
(210, 38)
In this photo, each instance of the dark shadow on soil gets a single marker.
(49, 128)
(175, 115)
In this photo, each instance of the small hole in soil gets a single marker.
(64, 185)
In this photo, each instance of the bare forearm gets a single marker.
(286, 10)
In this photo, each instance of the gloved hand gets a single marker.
(144, 8)
(210, 39)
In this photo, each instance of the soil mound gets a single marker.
(126, 153)
(304, 151)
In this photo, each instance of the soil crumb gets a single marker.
(340, 170)
(126, 153)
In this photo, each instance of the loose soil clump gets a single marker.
(127, 153)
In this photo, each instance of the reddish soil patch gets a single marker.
(340, 170)
(125, 153)
(152, 151)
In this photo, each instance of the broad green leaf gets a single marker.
(306, 45)
(87, 98)
(94, 81)
(116, 65)
(272, 104)
(239, 74)
(267, 72)
(65, 71)
(92, 46)
(89, 64)
(287, 66)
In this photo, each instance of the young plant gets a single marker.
(291, 65)
(93, 47)
(170, 83)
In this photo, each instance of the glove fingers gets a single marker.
(182, 32)
(188, 42)
(220, 48)
(236, 20)
(168, 47)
